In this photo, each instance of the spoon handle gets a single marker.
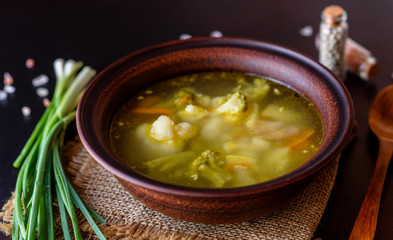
(366, 221)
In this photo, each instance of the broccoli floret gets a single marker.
(209, 166)
(183, 98)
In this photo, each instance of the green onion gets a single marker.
(41, 164)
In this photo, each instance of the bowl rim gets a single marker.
(299, 174)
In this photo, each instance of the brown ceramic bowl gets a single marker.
(124, 78)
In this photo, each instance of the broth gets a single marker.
(216, 130)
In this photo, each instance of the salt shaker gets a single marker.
(360, 61)
(333, 32)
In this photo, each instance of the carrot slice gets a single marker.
(185, 98)
(301, 138)
(149, 101)
(243, 164)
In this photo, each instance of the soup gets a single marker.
(216, 130)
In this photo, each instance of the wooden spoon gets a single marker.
(380, 119)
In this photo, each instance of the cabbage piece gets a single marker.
(170, 162)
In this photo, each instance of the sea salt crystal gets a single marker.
(30, 63)
(185, 36)
(306, 31)
(216, 34)
(3, 95)
(42, 92)
(40, 80)
(9, 88)
(26, 111)
(8, 79)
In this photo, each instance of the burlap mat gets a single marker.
(129, 219)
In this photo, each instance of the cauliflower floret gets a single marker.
(185, 131)
(162, 129)
(233, 107)
(164, 136)
(218, 101)
(192, 112)
(161, 149)
(165, 130)
(256, 90)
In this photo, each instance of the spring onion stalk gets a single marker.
(41, 170)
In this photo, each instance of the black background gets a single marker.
(100, 32)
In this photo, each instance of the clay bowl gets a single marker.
(124, 78)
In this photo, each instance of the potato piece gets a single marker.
(278, 161)
(243, 176)
(214, 128)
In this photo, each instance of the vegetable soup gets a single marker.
(216, 130)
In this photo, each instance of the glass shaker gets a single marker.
(333, 33)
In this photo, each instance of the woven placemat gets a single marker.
(127, 218)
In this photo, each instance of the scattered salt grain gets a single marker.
(306, 31)
(216, 34)
(3, 95)
(30, 63)
(9, 88)
(40, 80)
(8, 79)
(42, 92)
(46, 102)
(26, 111)
(185, 36)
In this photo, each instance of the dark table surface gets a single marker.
(100, 32)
